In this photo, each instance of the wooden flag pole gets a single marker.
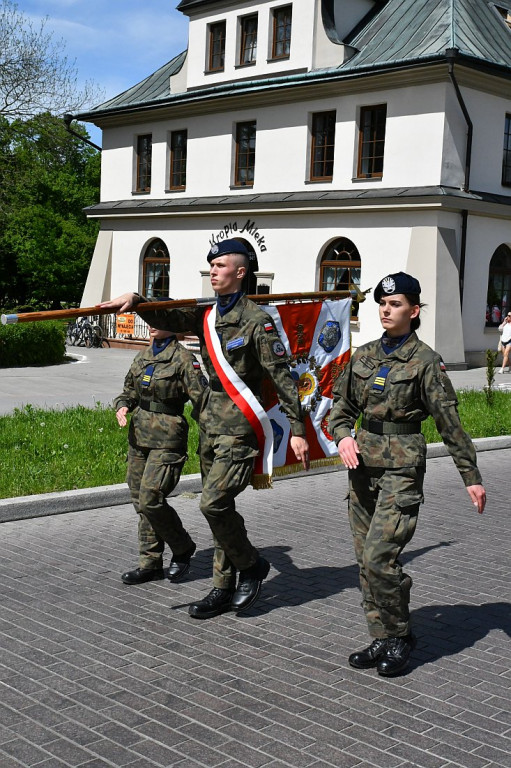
(259, 298)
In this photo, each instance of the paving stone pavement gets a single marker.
(94, 673)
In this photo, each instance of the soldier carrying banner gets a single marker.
(239, 345)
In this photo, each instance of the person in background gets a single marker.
(395, 383)
(160, 381)
(505, 340)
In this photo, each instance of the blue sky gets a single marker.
(115, 43)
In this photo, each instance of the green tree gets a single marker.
(47, 176)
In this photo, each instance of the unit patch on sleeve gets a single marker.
(278, 348)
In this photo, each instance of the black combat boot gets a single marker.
(249, 585)
(141, 575)
(369, 656)
(396, 655)
(218, 601)
(180, 564)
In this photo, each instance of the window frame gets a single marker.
(286, 40)
(212, 42)
(506, 155)
(499, 285)
(157, 245)
(314, 146)
(250, 153)
(374, 112)
(352, 261)
(244, 36)
(143, 163)
(181, 172)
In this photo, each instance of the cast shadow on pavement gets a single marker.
(297, 586)
(446, 630)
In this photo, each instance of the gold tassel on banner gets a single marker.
(261, 482)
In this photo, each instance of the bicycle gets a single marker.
(83, 333)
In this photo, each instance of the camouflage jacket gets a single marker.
(416, 386)
(176, 378)
(252, 346)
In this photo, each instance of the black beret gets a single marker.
(399, 282)
(227, 246)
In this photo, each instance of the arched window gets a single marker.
(156, 270)
(498, 298)
(340, 268)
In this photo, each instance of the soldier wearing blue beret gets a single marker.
(160, 381)
(395, 383)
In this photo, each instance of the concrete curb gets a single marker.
(44, 504)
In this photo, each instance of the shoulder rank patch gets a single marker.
(148, 375)
(235, 343)
(381, 378)
(268, 327)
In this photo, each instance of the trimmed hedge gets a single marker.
(32, 344)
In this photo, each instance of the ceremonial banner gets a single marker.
(317, 340)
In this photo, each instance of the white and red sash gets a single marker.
(245, 400)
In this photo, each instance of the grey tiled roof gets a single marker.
(411, 30)
(398, 33)
(325, 197)
(153, 88)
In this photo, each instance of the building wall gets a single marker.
(300, 57)
(289, 248)
(414, 144)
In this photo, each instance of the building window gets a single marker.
(498, 301)
(322, 146)
(506, 158)
(248, 40)
(371, 141)
(156, 263)
(340, 268)
(216, 47)
(178, 150)
(144, 151)
(505, 13)
(281, 37)
(245, 154)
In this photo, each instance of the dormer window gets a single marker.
(216, 47)
(505, 13)
(281, 38)
(248, 40)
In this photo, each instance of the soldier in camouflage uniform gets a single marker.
(228, 444)
(395, 383)
(162, 378)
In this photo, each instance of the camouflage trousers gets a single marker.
(383, 509)
(226, 467)
(152, 475)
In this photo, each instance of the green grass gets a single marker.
(478, 419)
(52, 450)
(42, 451)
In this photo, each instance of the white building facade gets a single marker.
(340, 139)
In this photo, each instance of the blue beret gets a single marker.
(399, 282)
(227, 246)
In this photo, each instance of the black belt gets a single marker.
(390, 428)
(170, 410)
